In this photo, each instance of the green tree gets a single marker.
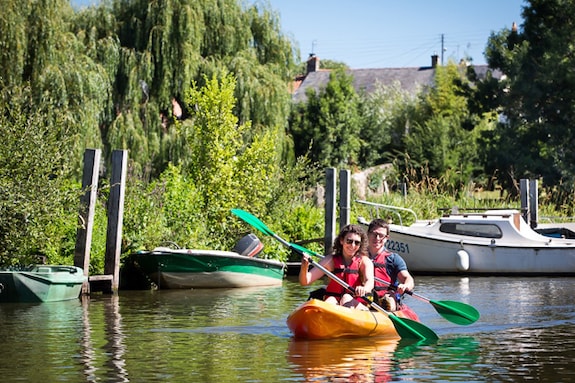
(39, 51)
(328, 125)
(226, 172)
(537, 96)
(384, 116)
(440, 137)
(35, 191)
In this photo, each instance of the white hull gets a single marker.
(428, 247)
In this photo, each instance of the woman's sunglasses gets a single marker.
(352, 242)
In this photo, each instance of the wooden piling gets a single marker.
(330, 208)
(344, 197)
(87, 212)
(115, 216)
(109, 282)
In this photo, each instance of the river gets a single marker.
(525, 333)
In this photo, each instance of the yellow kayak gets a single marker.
(316, 319)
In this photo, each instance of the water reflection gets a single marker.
(343, 360)
(113, 349)
(379, 360)
(525, 332)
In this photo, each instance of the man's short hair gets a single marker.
(377, 223)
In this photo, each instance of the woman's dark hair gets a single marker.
(355, 229)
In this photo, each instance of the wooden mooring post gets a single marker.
(87, 211)
(109, 282)
(529, 201)
(330, 210)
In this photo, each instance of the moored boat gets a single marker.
(316, 319)
(196, 268)
(493, 242)
(41, 283)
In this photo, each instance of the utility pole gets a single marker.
(442, 49)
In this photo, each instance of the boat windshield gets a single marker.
(471, 229)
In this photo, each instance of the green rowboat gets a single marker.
(193, 268)
(186, 268)
(41, 283)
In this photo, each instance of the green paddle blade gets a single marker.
(252, 220)
(456, 312)
(410, 329)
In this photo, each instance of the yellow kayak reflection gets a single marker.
(376, 359)
(343, 360)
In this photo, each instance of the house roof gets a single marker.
(410, 79)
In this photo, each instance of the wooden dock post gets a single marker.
(524, 196)
(111, 276)
(533, 203)
(344, 197)
(87, 212)
(115, 216)
(330, 205)
(529, 201)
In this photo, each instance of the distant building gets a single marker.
(411, 79)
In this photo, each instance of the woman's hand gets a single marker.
(361, 291)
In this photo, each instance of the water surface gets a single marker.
(525, 333)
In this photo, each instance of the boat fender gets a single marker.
(462, 262)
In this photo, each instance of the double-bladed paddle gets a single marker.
(406, 328)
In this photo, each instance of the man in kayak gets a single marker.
(350, 262)
(389, 267)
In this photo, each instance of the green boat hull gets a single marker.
(184, 268)
(41, 283)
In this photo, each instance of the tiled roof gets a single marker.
(410, 79)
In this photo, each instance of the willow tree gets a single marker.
(159, 48)
(66, 85)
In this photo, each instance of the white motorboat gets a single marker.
(491, 242)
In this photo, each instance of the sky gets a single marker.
(394, 33)
(391, 33)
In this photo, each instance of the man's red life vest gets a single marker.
(380, 272)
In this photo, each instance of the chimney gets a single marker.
(434, 58)
(312, 63)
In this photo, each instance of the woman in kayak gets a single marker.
(350, 262)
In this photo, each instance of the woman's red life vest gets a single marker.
(349, 274)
